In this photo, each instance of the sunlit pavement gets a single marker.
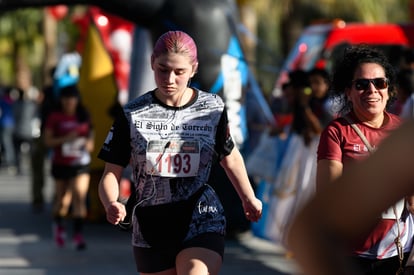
(27, 248)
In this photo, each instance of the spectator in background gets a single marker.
(68, 131)
(8, 157)
(282, 108)
(305, 104)
(405, 86)
(305, 122)
(406, 93)
(405, 107)
(26, 115)
(39, 154)
(344, 211)
(319, 102)
(408, 59)
(364, 80)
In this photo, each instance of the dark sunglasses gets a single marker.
(363, 83)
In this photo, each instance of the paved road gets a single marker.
(26, 246)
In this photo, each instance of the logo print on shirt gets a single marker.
(108, 138)
(206, 208)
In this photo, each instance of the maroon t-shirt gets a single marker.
(340, 142)
(70, 153)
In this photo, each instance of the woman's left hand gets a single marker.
(253, 209)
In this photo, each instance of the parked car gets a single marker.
(320, 45)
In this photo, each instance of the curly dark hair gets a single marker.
(345, 68)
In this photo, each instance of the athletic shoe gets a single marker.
(59, 235)
(79, 242)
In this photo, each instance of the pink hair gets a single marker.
(176, 42)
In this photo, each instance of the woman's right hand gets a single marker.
(115, 212)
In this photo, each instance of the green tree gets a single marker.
(21, 43)
(30, 39)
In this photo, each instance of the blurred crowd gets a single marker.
(305, 105)
(19, 122)
(282, 160)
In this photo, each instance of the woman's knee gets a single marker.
(198, 260)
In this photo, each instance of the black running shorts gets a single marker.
(150, 260)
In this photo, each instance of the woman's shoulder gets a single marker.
(203, 95)
(393, 117)
(56, 114)
(337, 127)
(55, 117)
(139, 102)
(394, 120)
(338, 122)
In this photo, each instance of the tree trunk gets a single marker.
(291, 25)
(50, 40)
(249, 19)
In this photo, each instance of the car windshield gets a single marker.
(305, 52)
(307, 49)
(309, 52)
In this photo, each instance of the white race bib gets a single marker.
(74, 148)
(174, 158)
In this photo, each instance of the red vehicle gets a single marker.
(320, 45)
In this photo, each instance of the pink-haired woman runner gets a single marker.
(171, 136)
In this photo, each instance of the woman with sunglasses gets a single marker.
(363, 82)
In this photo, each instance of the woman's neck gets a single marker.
(376, 121)
(69, 112)
(178, 101)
